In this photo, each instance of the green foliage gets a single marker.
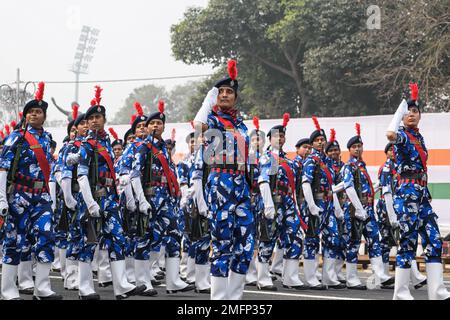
(319, 57)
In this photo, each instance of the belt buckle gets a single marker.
(277, 198)
(149, 191)
(108, 182)
(163, 179)
(38, 185)
(241, 167)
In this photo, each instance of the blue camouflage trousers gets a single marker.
(231, 222)
(331, 240)
(74, 235)
(416, 217)
(112, 236)
(384, 230)
(370, 232)
(286, 227)
(163, 227)
(29, 226)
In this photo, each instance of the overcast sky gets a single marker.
(40, 38)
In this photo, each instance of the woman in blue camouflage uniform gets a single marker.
(153, 177)
(227, 191)
(27, 207)
(281, 215)
(73, 199)
(412, 202)
(360, 194)
(317, 185)
(96, 170)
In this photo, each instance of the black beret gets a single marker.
(138, 120)
(39, 104)
(190, 136)
(354, 140)
(316, 134)
(331, 144)
(95, 109)
(156, 115)
(279, 128)
(116, 142)
(80, 118)
(388, 146)
(302, 142)
(413, 103)
(125, 137)
(227, 82)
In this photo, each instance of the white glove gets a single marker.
(92, 205)
(52, 187)
(58, 175)
(338, 212)
(338, 188)
(4, 207)
(266, 194)
(390, 210)
(66, 186)
(376, 187)
(183, 202)
(124, 180)
(73, 159)
(129, 198)
(360, 212)
(201, 203)
(144, 206)
(398, 116)
(307, 191)
(208, 103)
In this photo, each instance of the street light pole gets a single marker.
(84, 54)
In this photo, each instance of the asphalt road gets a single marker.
(252, 293)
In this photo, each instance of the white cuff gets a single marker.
(338, 188)
(3, 180)
(390, 207)
(58, 175)
(398, 116)
(52, 187)
(138, 191)
(129, 197)
(86, 191)
(353, 196)
(66, 186)
(266, 195)
(307, 192)
(208, 103)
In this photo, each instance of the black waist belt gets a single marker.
(235, 167)
(414, 175)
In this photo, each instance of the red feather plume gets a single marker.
(40, 92)
(7, 129)
(358, 129)
(232, 69)
(316, 123)
(256, 122)
(133, 118)
(139, 109)
(93, 102)
(414, 91)
(161, 106)
(13, 124)
(113, 133)
(98, 94)
(286, 118)
(174, 132)
(332, 135)
(2, 135)
(75, 108)
(20, 115)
